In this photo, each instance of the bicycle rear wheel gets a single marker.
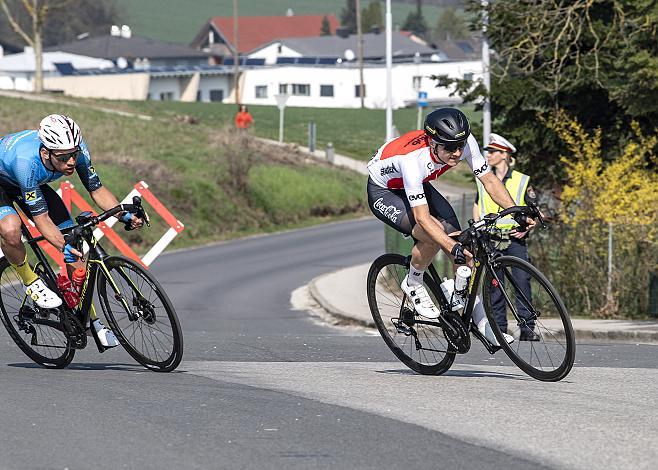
(397, 323)
(140, 314)
(38, 332)
(545, 345)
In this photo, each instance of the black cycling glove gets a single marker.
(458, 252)
(521, 219)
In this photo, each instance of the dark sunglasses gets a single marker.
(65, 157)
(453, 146)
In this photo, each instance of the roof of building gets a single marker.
(374, 46)
(113, 47)
(9, 48)
(461, 49)
(254, 31)
(24, 62)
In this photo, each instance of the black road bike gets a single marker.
(430, 346)
(133, 303)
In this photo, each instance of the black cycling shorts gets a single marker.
(57, 211)
(392, 207)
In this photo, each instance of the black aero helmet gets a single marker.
(447, 126)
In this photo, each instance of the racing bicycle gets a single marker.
(133, 303)
(430, 346)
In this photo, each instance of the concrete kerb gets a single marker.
(342, 294)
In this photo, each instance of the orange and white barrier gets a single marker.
(72, 198)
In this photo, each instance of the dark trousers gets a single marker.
(522, 282)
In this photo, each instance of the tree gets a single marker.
(325, 30)
(415, 21)
(371, 16)
(348, 16)
(451, 25)
(597, 60)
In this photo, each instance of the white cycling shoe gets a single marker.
(420, 299)
(488, 333)
(42, 295)
(105, 335)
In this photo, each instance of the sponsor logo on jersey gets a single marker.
(390, 212)
(92, 169)
(30, 196)
(387, 170)
(481, 170)
(417, 197)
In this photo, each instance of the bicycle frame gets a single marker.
(95, 262)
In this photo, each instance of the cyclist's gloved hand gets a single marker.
(458, 252)
(71, 255)
(126, 218)
(523, 221)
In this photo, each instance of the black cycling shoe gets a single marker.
(529, 335)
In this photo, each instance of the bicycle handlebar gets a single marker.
(489, 220)
(86, 221)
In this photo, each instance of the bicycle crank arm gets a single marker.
(490, 347)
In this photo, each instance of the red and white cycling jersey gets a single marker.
(406, 163)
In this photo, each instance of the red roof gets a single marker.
(256, 31)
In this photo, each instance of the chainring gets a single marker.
(75, 331)
(455, 332)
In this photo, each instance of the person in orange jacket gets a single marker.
(243, 120)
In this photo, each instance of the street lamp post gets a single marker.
(486, 77)
(389, 74)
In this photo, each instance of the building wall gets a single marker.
(215, 84)
(129, 86)
(15, 81)
(271, 53)
(346, 78)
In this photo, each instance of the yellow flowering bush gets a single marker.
(617, 194)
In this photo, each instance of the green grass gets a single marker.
(187, 168)
(175, 21)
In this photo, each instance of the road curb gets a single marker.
(327, 306)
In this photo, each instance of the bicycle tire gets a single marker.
(546, 316)
(385, 304)
(45, 330)
(150, 351)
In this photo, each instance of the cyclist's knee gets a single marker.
(10, 230)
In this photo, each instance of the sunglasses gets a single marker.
(65, 157)
(452, 146)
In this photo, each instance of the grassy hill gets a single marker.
(217, 184)
(175, 21)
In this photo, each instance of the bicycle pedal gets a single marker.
(402, 328)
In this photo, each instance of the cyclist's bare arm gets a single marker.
(499, 193)
(51, 232)
(104, 198)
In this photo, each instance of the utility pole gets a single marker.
(359, 46)
(389, 74)
(486, 77)
(236, 55)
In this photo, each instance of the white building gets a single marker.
(337, 86)
(17, 70)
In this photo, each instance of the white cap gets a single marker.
(498, 142)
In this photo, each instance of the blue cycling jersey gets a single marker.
(21, 167)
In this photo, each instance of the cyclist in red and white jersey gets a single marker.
(399, 194)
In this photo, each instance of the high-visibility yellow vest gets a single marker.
(516, 185)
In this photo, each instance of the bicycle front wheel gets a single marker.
(421, 346)
(140, 314)
(520, 301)
(38, 332)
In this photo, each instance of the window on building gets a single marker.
(261, 91)
(216, 95)
(167, 96)
(301, 89)
(326, 90)
(283, 88)
(468, 76)
(279, 49)
(417, 80)
(356, 91)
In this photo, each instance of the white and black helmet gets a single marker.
(59, 132)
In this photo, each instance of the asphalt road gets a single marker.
(265, 386)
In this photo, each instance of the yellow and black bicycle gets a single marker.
(134, 304)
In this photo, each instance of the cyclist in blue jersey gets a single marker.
(29, 160)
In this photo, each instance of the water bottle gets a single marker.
(71, 298)
(78, 279)
(448, 288)
(461, 279)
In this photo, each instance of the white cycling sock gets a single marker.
(415, 277)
